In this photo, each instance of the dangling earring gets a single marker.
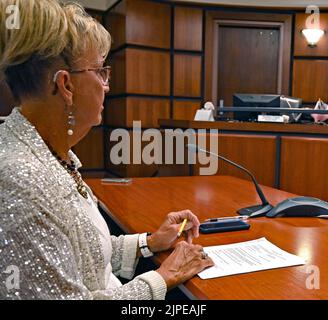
(71, 121)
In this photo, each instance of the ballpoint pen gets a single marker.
(227, 218)
(116, 180)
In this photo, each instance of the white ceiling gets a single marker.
(105, 4)
(266, 3)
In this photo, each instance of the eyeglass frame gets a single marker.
(97, 70)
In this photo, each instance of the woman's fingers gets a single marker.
(192, 224)
(183, 263)
(188, 237)
(208, 262)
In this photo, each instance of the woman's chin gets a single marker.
(99, 120)
(100, 116)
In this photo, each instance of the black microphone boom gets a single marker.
(253, 211)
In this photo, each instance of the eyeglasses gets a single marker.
(104, 73)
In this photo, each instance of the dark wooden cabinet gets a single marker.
(291, 157)
(254, 152)
(257, 153)
(304, 166)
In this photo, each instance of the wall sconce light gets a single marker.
(312, 31)
(313, 36)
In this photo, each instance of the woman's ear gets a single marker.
(65, 87)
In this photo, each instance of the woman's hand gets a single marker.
(165, 237)
(183, 263)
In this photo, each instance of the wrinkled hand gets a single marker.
(166, 236)
(183, 263)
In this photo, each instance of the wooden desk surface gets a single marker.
(143, 205)
(246, 126)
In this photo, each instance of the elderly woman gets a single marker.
(51, 232)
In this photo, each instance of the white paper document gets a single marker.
(246, 257)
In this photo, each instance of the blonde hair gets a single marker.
(48, 31)
(93, 33)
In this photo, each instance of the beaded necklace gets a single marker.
(74, 173)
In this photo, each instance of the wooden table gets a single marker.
(292, 128)
(143, 205)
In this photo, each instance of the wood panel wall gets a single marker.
(184, 109)
(187, 28)
(310, 79)
(166, 60)
(310, 63)
(257, 153)
(304, 167)
(159, 66)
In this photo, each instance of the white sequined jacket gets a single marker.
(49, 248)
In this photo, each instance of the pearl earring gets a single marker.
(71, 123)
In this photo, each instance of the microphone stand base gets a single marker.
(255, 211)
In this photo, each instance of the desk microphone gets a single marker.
(253, 211)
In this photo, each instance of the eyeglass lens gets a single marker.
(105, 74)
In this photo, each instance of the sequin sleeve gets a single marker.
(147, 286)
(33, 244)
(117, 253)
(124, 255)
(41, 254)
(46, 264)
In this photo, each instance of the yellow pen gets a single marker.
(182, 227)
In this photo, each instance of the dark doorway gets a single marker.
(248, 61)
